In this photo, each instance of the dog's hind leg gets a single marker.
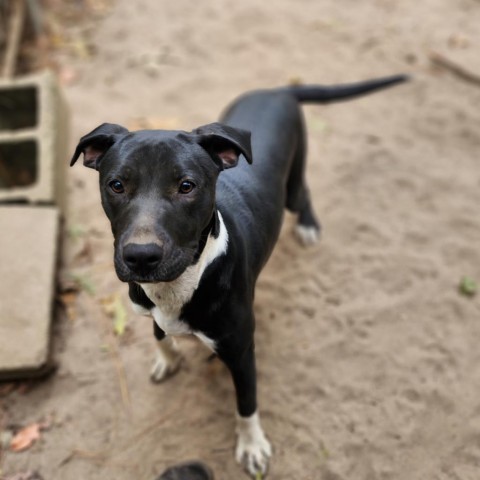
(307, 229)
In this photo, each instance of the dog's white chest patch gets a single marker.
(170, 297)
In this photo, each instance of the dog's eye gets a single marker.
(116, 186)
(186, 187)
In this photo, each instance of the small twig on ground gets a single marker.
(85, 454)
(122, 377)
(17, 20)
(458, 70)
(112, 343)
(101, 459)
(155, 425)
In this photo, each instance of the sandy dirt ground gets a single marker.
(368, 355)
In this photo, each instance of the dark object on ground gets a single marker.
(187, 471)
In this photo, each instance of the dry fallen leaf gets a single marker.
(25, 438)
(295, 81)
(82, 49)
(69, 301)
(67, 76)
(114, 308)
(85, 254)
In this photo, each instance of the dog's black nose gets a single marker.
(142, 258)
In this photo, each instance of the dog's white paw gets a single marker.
(253, 449)
(167, 362)
(163, 369)
(307, 236)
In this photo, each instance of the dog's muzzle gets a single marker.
(142, 259)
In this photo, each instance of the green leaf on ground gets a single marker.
(85, 283)
(113, 307)
(75, 231)
(468, 286)
(119, 316)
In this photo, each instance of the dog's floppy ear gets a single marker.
(95, 144)
(224, 143)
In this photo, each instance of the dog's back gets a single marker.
(258, 193)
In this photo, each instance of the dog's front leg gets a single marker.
(253, 449)
(168, 359)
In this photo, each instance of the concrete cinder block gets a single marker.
(28, 257)
(33, 140)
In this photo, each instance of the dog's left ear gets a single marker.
(96, 143)
(224, 143)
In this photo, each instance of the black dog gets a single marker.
(191, 244)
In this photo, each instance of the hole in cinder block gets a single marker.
(18, 164)
(18, 108)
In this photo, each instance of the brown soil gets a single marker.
(368, 358)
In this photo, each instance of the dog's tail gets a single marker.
(337, 93)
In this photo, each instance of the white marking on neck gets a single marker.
(170, 297)
(139, 310)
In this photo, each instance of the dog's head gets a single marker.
(158, 191)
